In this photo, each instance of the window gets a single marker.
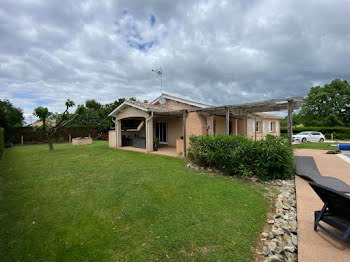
(257, 127)
(315, 133)
(271, 126)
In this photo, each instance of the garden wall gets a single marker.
(30, 136)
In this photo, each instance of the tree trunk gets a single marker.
(49, 140)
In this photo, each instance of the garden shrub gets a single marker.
(2, 144)
(271, 158)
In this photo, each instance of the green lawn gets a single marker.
(93, 203)
(309, 145)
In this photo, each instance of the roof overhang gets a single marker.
(125, 104)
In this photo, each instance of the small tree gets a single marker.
(63, 119)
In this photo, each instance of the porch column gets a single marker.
(118, 133)
(210, 124)
(236, 127)
(184, 119)
(290, 121)
(149, 135)
(227, 122)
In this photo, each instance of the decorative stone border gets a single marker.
(280, 244)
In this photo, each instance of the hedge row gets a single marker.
(271, 158)
(338, 132)
(2, 144)
(30, 136)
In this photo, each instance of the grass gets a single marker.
(311, 145)
(93, 203)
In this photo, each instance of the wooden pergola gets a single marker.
(244, 111)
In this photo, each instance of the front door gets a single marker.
(162, 132)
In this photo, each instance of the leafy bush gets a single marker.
(1, 141)
(338, 132)
(271, 158)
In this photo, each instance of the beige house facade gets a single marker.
(171, 120)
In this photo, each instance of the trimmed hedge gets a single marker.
(13, 135)
(2, 144)
(271, 158)
(338, 132)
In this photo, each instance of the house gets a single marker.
(39, 123)
(172, 120)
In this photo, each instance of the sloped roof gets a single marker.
(256, 108)
(149, 106)
(141, 106)
(181, 100)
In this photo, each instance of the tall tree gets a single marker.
(297, 120)
(96, 114)
(10, 116)
(328, 105)
(62, 119)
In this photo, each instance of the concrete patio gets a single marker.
(318, 246)
(163, 150)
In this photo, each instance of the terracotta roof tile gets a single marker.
(149, 106)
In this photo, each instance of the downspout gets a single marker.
(147, 131)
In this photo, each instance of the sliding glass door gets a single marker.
(161, 132)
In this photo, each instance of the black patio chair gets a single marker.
(335, 211)
(307, 169)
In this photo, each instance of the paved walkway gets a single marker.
(164, 150)
(319, 246)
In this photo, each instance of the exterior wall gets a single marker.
(210, 125)
(220, 125)
(195, 125)
(241, 127)
(179, 147)
(175, 131)
(112, 139)
(174, 105)
(174, 128)
(132, 112)
(264, 131)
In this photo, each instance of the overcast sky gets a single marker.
(218, 52)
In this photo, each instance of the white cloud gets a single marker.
(219, 52)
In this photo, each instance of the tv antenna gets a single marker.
(159, 74)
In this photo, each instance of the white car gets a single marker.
(309, 136)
